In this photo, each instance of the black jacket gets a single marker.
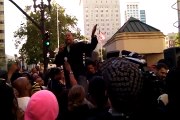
(75, 56)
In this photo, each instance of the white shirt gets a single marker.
(23, 102)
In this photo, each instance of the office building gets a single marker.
(133, 10)
(105, 13)
(2, 37)
(143, 16)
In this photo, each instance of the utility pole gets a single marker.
(42, 8)
(40, 26)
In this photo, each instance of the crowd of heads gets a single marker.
(115, 87)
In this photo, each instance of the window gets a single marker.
(1, 22)
(1, 40)
(1, 31)
(86, 15)
(1, 12)
(1, 3)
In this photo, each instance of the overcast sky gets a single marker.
(159, 14)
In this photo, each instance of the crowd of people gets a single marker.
(85, 89)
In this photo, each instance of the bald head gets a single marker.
(23, 86)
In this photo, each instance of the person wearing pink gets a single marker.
(43, 105)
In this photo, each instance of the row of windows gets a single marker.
(1, 31)
(132, 6)
(102, 15)
(102, 25)
(106, 1)
(103, 6)
(135, 16)
(132, 10)
(143, 15)
(87, 20)
(103, 11)
(107, 33)
(1, 40)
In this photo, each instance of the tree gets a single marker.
(177, 40)
(32, 49)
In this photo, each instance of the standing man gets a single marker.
(74, 53)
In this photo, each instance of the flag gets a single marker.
(101, 36)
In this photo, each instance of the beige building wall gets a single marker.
(153, 58)
(150, 44)
(141, 42)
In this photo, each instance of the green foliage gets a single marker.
(32, 49)
(177, 41)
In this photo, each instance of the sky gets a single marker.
(159, 14)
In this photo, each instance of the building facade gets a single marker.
(2, 37)
(132, 10)
(139, 37)
(171, 39)
(105, 13)
(143, 16)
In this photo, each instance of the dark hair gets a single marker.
(15, 75)
(161, 65)
(90, 62)
(53, 72)
(97, 89)
(7, 101)
(26, 74)
(3, 75)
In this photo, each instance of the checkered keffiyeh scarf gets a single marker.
(124, 77)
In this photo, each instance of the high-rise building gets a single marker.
(2, 36)
(143, 16)
(105, 13)
(133, 10)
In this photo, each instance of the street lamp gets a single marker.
(42, 8)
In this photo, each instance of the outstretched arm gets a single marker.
(94, 30)
(73, 80)
(91, 46)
